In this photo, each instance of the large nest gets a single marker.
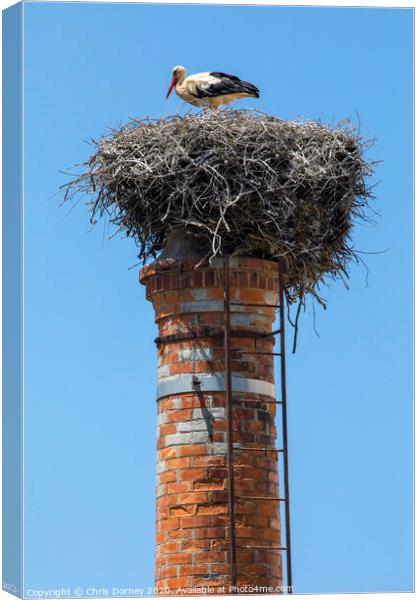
(242, 182)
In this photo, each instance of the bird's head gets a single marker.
(178, 75)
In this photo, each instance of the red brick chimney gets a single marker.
(192, 526)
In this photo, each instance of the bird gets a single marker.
(210, 90)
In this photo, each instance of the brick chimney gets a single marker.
(192, 526)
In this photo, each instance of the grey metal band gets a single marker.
(183, 384)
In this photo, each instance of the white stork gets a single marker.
(210, 90)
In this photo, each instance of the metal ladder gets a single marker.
(229, 417)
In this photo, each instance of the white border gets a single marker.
(321, 3)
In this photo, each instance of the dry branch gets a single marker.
(243, 182)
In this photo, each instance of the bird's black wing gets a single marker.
(226, 84)
(224, 75)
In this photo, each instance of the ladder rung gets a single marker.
(261, 401)
(255, 352)
(263, 547)
(277, 498)
(275, 332)
(259, 449)
(254, 304)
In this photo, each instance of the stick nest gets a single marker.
(243, 182)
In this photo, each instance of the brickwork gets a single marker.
(192, 535)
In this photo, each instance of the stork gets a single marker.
(210, 90)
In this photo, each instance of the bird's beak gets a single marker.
(171, 85)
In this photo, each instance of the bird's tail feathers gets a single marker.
(250, 88)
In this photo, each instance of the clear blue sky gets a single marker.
(89, 352)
